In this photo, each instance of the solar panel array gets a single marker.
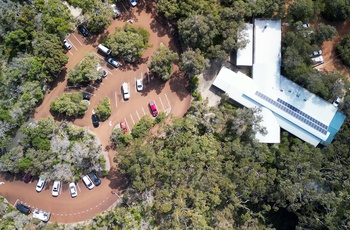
(301, 116)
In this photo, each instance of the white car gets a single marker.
(133, 2)
(336, 102)
(113, 62)
(126, 91)
(67, 45)
(73, 189)
(317, 60)
(88, 183)
(316, 53)
(41, 215)
(56, 188)
(40, 185)
(115, 10)
(139, 84)
(104, 72)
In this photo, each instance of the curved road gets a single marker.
(171, 97)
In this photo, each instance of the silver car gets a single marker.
(73, 189)
(40, 185)
(133, 2)
(139, 84)
(41, 215)
(113, 62)
(67, 45)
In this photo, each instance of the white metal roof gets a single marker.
(245, 55)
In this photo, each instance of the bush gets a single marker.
(142, 127)
(343, 48)
(70, 104)
(104, 109)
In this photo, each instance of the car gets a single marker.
(104, 72)
(23, 208)
(122, 126)
(126, 91)
(317, 60)
(316, 53)
(113, 62)
(115, 10)
(336, 102)
(133, 2)
(83, 30)
(40, 185)
(95, 121)
(67, 44)
(86, 96)
(73, 189)
(88, 183)
(94, 178)
(306, 25)
(153, 107)
(139, 84)
(27, 178)
(41, 215)
(56, 188)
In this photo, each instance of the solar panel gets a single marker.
(295, 112)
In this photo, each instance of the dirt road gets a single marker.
(171, 97)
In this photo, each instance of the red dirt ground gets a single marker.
(170, 96)
(332, 61)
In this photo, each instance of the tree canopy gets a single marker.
(70, 105)
(162, 61)
(85, 71)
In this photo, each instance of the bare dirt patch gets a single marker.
(331, 59)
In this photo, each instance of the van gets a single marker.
(104, 49)
(126, 90)
(115, 10)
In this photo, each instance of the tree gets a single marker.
(142, 127)
(70, 104)
(304, 10)
(343, 48)
(193, 62)
(336, 10)
(86, 71)
(129, 42)
(324, 33)
(104, 109)
(161, 62)
(48, 49)
(99, 16)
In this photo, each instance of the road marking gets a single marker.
(70, 52)
(161, 103)
(78, 187)
(167, 100)
(2, 183)
(137, 115)
(108, 72)
(16, 202)
(143, 111)
(77, 39)
(72, 44)
(127, 125)
(116, 99)
(110, 123)
(132, 119)
(124, 7)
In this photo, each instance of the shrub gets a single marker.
(343, 48)
(104, 109)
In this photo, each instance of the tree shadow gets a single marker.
(179, 84)
(152, 83)
(57, 79)
(117, 179)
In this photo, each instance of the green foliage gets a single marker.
(99, 15)
(86, 70)
(129, 42)
(194, 83)
(104, 109)
(336, 10)
(192, 62)
(304, 10)
(324, 33)
(119, 139)
(70, 104)
(142, 128)
(343, 48)
(161, 62)
(54, 150)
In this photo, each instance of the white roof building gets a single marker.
(283, 103)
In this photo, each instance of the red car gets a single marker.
(123, 127)
(27, 178)
(153, 107)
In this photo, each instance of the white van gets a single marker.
(126, 90)
(104, 49)
(88, 183)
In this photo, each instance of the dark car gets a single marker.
(83, 30)
(95, 120)
(22, 208)
(86, 96)
(94, 178)
(27, 178)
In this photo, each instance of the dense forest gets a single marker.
(202, 171)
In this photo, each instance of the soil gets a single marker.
(171, 97)
(331, 59)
